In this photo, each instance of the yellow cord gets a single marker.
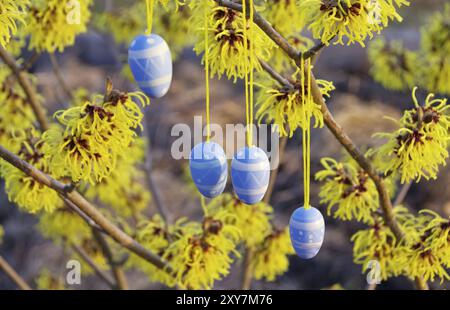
(203, 204)
(208, 120)
(252, 49)
(150, 5)
(245, 38)
(306, 132)
(248, 67)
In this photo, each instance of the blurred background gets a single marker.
(358, 104)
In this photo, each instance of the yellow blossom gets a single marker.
(95, 134)
(419, 146)
(204, 256)
(253, 221)
(393, 66)
(54, 24)
(284, 106)
(12, 11)
(47, 281)
(378, 243)
(226, 44)
(271, 258)
(64, 225)
(22, 189)
(350, 21)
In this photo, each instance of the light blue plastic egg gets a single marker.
(307, 231)
(151, 64)
(209, 168)
(250, 173)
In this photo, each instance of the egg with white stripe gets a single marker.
(307, 231)
(250, 173)
(209, 168)
(150, 62)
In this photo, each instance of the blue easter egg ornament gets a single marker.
(151, 64)
(209, 168)
(307, 230)
(250, 173)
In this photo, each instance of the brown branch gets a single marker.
(59, 76)
(24, 82)
(13, 275)
(85, 206)
(116, 268)
(100, 273)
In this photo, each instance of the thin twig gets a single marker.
(86, 218)
(30, 62)
(13, 275)
(100, 273)
(402, 194)
(148, 167)
(24, 82)
(59, 77)
(116, 268)
(274, 173)
(77, 199)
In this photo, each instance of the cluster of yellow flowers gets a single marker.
(348, 189)
(123, 23)
(22, 189)
(204, 254)
(47, 281)
(419, 145)
(423, 251)
(252, 220)
(350, 20)
(123, 189)
(95, 134)
(54, 24)
(64, 225)
(435, 45)
(393, 65)
(284, 106)
(378, 243)
(15, 112)
(397, 68)
(226, 45)
(12, 12)
(271, 257)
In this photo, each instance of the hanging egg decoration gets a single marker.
(151, 64)
(250, 173)
(209, 168)
(307, 231)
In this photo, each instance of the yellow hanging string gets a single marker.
(306, 133)
(246, 67)
(208, 120)
(150, 5)
(252, 49)
(203, 204)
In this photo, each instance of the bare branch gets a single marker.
(59, 76)
(116, 268)
(85, 206)
(100, 273)
(13, 275)
(27, 88)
